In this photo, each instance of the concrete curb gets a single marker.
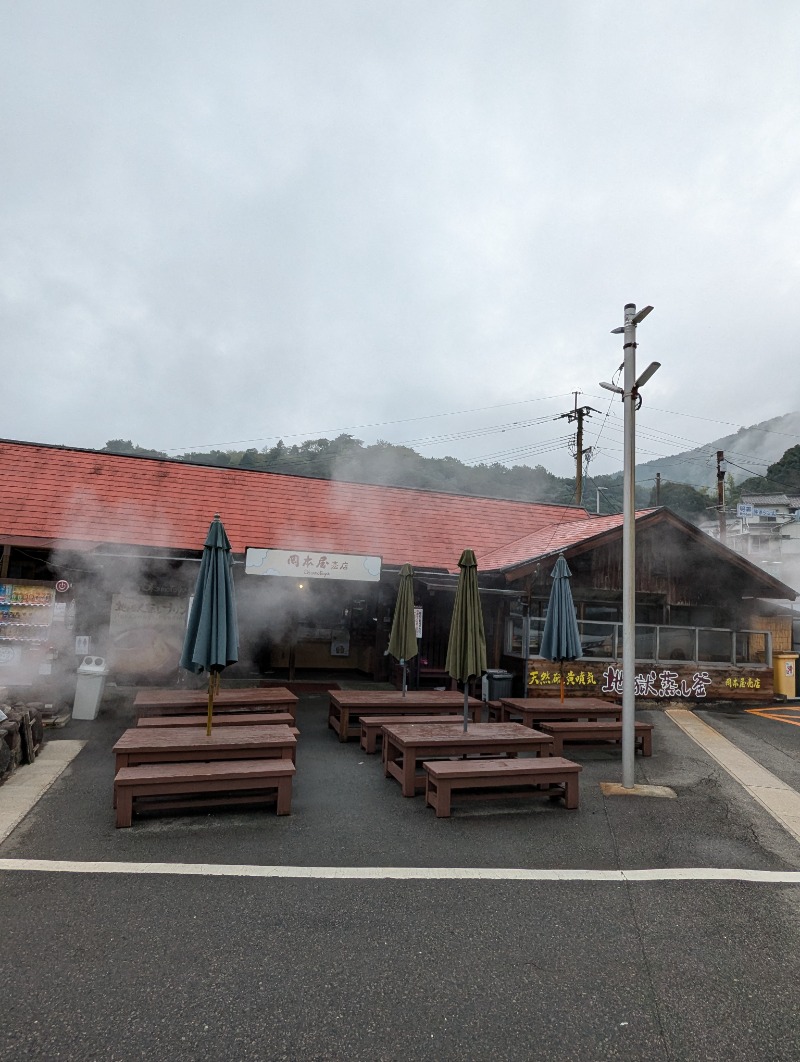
(27, 784)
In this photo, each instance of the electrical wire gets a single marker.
(756, 474)
(655, 435)
(318, 433)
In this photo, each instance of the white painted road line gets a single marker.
(779, 799)
(27, 784)
(63, 866)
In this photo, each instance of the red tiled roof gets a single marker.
(55, 494)
(546, 541)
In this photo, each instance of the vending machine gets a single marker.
(26, 619)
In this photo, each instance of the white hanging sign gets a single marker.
(303, 564)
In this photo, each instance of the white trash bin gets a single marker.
(89, 688)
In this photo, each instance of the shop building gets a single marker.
(109, 546)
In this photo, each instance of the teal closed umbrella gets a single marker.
(466, 646)
(561, 639)
(211, 642)
(403, 637)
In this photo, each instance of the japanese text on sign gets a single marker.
(655, 683)
(307, 565)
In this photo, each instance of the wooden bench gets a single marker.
(442, 777)
(371, 725)
(192, 702)
(202, 785)
(229, 719)
(493, 711)
(595, 733)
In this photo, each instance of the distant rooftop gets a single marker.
(766, 500)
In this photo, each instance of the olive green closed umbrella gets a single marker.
(403, 638)
(211, 642)
(466, 647)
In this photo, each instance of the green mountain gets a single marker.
(747, 452)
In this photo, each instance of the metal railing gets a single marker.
(659, 643)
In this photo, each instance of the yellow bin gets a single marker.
(783, 667)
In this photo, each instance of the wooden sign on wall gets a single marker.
(654, 682)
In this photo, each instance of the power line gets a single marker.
(709, 455)
(654, 434)
(319, 432)
(523, 451)
(758, 474)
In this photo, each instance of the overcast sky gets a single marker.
(226, 223)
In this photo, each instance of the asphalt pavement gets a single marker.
(234, 962)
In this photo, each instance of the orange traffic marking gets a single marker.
(772, 713)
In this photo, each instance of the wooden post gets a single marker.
(721, 495)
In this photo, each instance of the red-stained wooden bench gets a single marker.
(503, 777)
(190, 785)
(371, 726)
(229, 719)
(493, 711)
(595, 733)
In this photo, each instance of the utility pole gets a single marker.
(721, 495)
(578, 414)
(658, 488)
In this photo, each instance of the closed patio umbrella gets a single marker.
(212, 633)
(561, 639)
(466, 646)
(403, 637)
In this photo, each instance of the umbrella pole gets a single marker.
(213, 686)
(466, 704)
(562, 681)
(405, 685)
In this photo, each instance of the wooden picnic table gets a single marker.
(144, 744)
(175, 702)
(356, 703)
(533, 710)
(407, 744)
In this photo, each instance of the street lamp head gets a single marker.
(640, 316)
(651, 369)
(612, 387)
(617, 331)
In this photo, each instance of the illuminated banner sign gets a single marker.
(301, 564)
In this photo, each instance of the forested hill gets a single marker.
(346, 458)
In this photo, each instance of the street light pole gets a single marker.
(629, 553)
(630, 400)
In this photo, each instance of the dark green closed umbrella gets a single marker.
(403, 638)
(212, 633)
(561, 639)
(466, 646)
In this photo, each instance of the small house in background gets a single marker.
(766, 530)
(109, 543)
